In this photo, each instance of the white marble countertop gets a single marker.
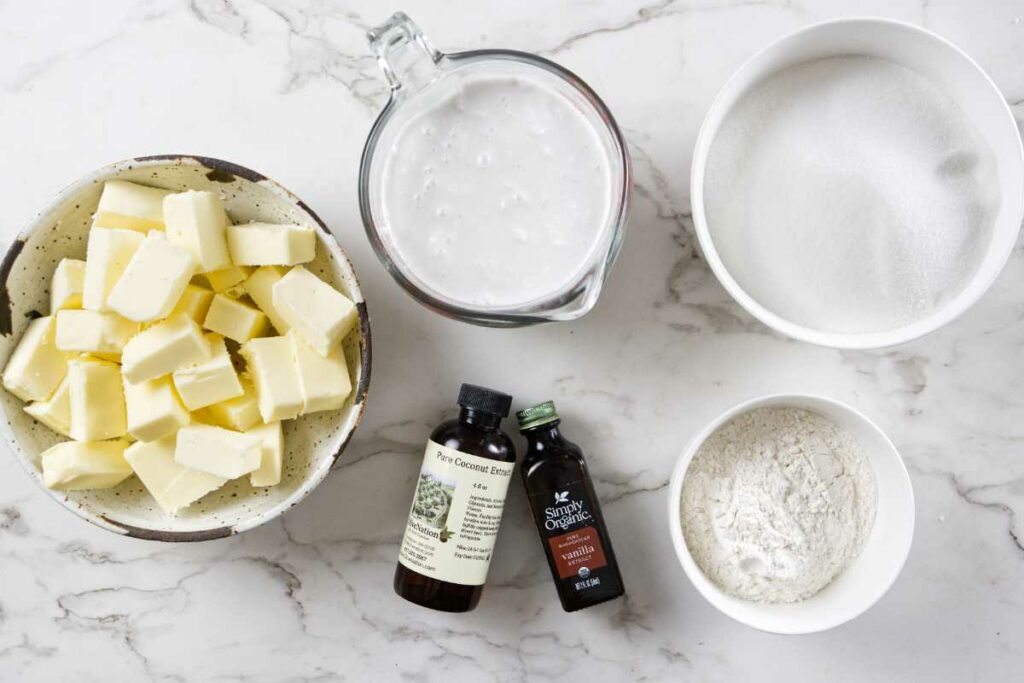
(288, 88)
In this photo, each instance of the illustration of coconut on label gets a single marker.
(134, 348)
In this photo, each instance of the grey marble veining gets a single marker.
(288, 87)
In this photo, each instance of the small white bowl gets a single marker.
(867, 579)
(312, 443)
(953, 72)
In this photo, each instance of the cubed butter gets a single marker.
(271, 454)
(54, 412)
(227, 280)
(260, 286)
(37, 366)
(163, 348)
(97, 400)
(74, 466)
(91, 332)
(235, 319)
(153, 281)
(173, 486)
(218, 451)
(107, 254)
(197, 221)
(210, 381)
(194, 302)
(239, 413)
(130, 206)
(324, 380)
(314, 309)
(266, 244)
(275, 377)
(67, 285)
(202, 416)
(154, 409)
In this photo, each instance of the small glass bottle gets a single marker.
(567, 513)
(456, 510)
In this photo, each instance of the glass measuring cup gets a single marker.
(420, 77)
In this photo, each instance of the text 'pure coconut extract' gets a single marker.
(456, 510)
(460, 496)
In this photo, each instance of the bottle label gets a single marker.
(567, 518)
(455, 515)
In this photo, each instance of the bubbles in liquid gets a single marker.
(514, 191)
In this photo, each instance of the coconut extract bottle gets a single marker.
(457, 506)
(567, 513)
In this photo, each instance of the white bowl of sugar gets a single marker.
(858, 183)
(764, 521)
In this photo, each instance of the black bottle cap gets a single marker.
(485, 400)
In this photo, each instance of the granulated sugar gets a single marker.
(849, 194)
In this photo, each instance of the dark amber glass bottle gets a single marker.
(567, 513)
(456, 510)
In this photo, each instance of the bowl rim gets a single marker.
(713, 595)
(220, 171)
(842, 340)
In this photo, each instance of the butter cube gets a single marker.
(130, 206)
(239, 413)
(227, 280)
(153, 281)
(314, 309)
(265, 244)
(37, 366)
(197, 221)
(67, 285)
(97, 400)
(74, 466)
(91, 332)
(194, 302)
(154, 409)
(275, 377)
(173, 486)
(106, 256)
(163, 348)
(259, 286)
(235, 319)
(218, 451)
(210, 381)
(202, 416)
(54, 412)
(271, 454)
(324, 381)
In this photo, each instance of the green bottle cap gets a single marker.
(538, 415)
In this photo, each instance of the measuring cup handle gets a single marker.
(406, 57)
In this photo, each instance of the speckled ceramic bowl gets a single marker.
(312, 443)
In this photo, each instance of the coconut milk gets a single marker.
(498, 193)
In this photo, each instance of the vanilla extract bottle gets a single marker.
(567, 513)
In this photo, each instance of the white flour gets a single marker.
(777, 503)
(850, 194)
